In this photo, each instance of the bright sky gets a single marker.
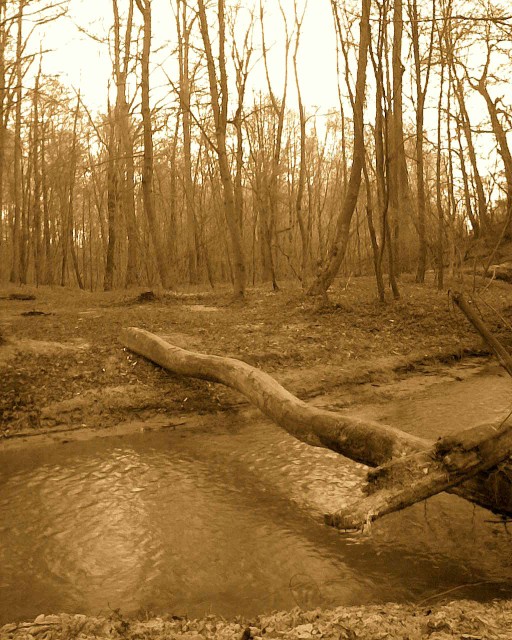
(82, 62)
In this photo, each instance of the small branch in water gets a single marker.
(457, 588)
(501, 353)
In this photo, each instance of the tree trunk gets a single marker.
(71, 201)
(17, 159)
(483, 217)
(439, 200)
(373, 238)
(112, 205)
(338, 249)
(446, 464)
(421, 92)
(3, 108)
(144, 7)
(219, 102)
(368, 442)
(125, 139)
(503, 147)
(301, 180)
(37, 182)
(183, 27)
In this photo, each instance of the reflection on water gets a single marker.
(229, 523)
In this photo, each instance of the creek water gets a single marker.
(230, 522)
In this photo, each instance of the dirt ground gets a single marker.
(63, 370)
(62, 366)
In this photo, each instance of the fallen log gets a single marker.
(450, 461)
(499, 350)
(363, 441)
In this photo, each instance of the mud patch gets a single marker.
(201, 307)
(12, 348)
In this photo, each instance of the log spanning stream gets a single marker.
(230, 522)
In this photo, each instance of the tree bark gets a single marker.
(17, 156)
(450, 461)
(483, 217)
(503, 146)
(421, 92)
(37, 248)
(112, 204)
(144, 7)
(337, 252)
(301, 178)
(499, 350)
(363, 441)
(125, 139)
(184, 26)
(219, 98)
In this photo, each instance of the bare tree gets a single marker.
(337, 252)
(421, 94)
(184, 26)
(121, 61)
(219, 102)
(17, 243)
(301, 181)
(144, 7)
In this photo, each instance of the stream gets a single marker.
(230, 522)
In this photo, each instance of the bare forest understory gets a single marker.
(65, 375)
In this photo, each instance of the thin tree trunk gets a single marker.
(483, 216)
(439, 200)
(183, 55)
(219, 98)
(3, 109)
(17, 169)
(421, 92)
(37, 183)
(338, 249)
(48, 272)
(373, 238)
(144, 7)
(71, 202)
(112, 205)
(126, 142)
(301, 180)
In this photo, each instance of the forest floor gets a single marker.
(62, 366)
(65, 375)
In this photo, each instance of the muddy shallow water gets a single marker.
(230, 522)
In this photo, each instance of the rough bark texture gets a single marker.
(408, 480)
(368, 442)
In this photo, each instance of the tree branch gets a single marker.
(369, 442)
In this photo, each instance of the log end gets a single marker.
(347, 521)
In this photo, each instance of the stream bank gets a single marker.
(67, 377)
(463, 620)
(62, 367)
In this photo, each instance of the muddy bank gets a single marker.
(62, 366)
(462, 619)
(66, 376)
